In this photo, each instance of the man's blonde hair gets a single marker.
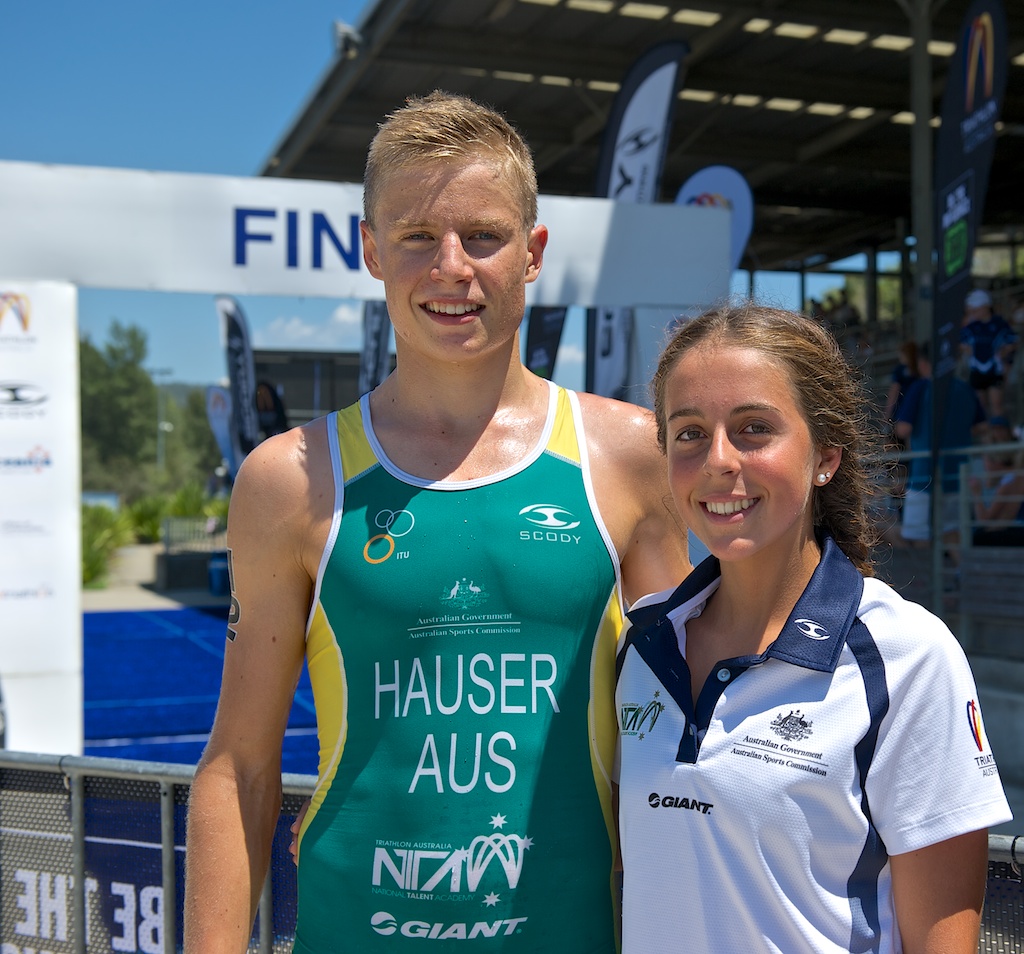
(441, 127)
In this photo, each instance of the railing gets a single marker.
(936, 567)
(118, 828)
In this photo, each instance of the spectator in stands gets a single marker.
(963, 415)
(903, 375)
(987, 342)
(998, 497)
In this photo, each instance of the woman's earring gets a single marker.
(825, 476)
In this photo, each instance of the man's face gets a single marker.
(449, 245)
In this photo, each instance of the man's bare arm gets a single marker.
(236, 794)
(631, 482)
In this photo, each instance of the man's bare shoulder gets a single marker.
(287, 472)
(619, 430)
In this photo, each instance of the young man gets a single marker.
(450, 556)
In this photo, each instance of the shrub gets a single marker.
(147, 516)
(104, 531)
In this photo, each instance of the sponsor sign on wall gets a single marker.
(40, 542)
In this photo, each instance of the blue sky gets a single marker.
(206, 87)
(189, 86)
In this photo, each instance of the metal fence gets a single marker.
(118, 828)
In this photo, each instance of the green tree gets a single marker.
(120, 407)
(118, 411)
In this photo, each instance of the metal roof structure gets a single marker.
(809, 99)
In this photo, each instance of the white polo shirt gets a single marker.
(762, 817)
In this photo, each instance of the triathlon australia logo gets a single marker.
(394, 524)
(793, 727)
(634, 716)
(812, 629)
(17, 305)
(550, 517)
(463, 594)
(426, 869)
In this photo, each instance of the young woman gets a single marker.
(803, 764)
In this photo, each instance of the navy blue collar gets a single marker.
(816, 630)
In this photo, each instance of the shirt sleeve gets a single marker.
(933, 775)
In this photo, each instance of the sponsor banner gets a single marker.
(543, 334)
(966, 140)
(375, 360)
(245, 425)
(124, 228)
(218, 413)
(637, 133)
(609, 346)
(629, 171)
(40, 519)
(722, 187)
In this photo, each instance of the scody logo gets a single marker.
(384, 923)
(20, 395)
(551, 522)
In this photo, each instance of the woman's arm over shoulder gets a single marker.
(280, 508)
(631, 482)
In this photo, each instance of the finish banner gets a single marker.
(629, 170)
(963, 157)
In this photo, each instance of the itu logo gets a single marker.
(16, 305)
(393, 523)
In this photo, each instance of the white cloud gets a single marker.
(341, 330)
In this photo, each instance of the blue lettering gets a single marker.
(242, 236)
(321, 226)
(292, 219)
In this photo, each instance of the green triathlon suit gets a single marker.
(461, 649)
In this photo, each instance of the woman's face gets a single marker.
(742, 465)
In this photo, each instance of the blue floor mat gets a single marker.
(151, 680)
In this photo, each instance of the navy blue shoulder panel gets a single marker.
(863, 884)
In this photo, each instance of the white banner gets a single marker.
(117, 228)
(40, 526)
